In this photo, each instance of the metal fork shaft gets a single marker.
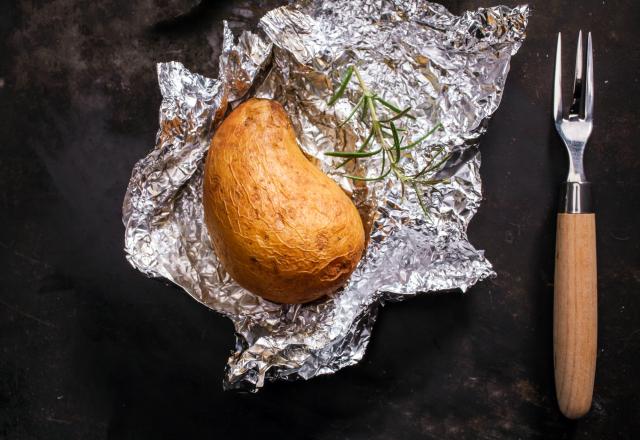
(575, 150)
(575, 198)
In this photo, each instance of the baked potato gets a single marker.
(280, 227)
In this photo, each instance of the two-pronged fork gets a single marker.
(575, 312)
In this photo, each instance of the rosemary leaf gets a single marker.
(367, 140)
(352, 154)
(422, 138)
(388, 105)
(431, 166)
(402, 114)
(429, 182)
(343, 86)
(396, 142)
(353, 112)
(399, 113)
(362, 148)
(386, 132)
(439, 164)
(425, 210)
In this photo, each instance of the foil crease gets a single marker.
(450, 69)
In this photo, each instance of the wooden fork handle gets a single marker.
(575, 313)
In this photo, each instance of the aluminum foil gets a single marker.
(450, 69)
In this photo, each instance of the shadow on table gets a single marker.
(172, 388)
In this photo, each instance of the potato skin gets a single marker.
(281, 228)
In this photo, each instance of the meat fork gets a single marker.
(575, 309)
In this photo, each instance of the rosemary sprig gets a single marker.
(385, 134)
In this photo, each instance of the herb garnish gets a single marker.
(385, 139)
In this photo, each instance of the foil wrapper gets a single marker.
(450, 69)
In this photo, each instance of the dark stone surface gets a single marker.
(92, 349)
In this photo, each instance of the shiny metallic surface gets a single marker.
(576, 128)
(576, 198)
(450, 69)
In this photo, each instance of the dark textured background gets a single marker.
(91, 349)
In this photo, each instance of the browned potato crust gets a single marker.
(280, 226)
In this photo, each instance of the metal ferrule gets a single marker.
(576, 198)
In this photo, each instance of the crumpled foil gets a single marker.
(450, 69)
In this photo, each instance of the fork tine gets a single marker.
(578, 78)
(588, 93)
(557, 82)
